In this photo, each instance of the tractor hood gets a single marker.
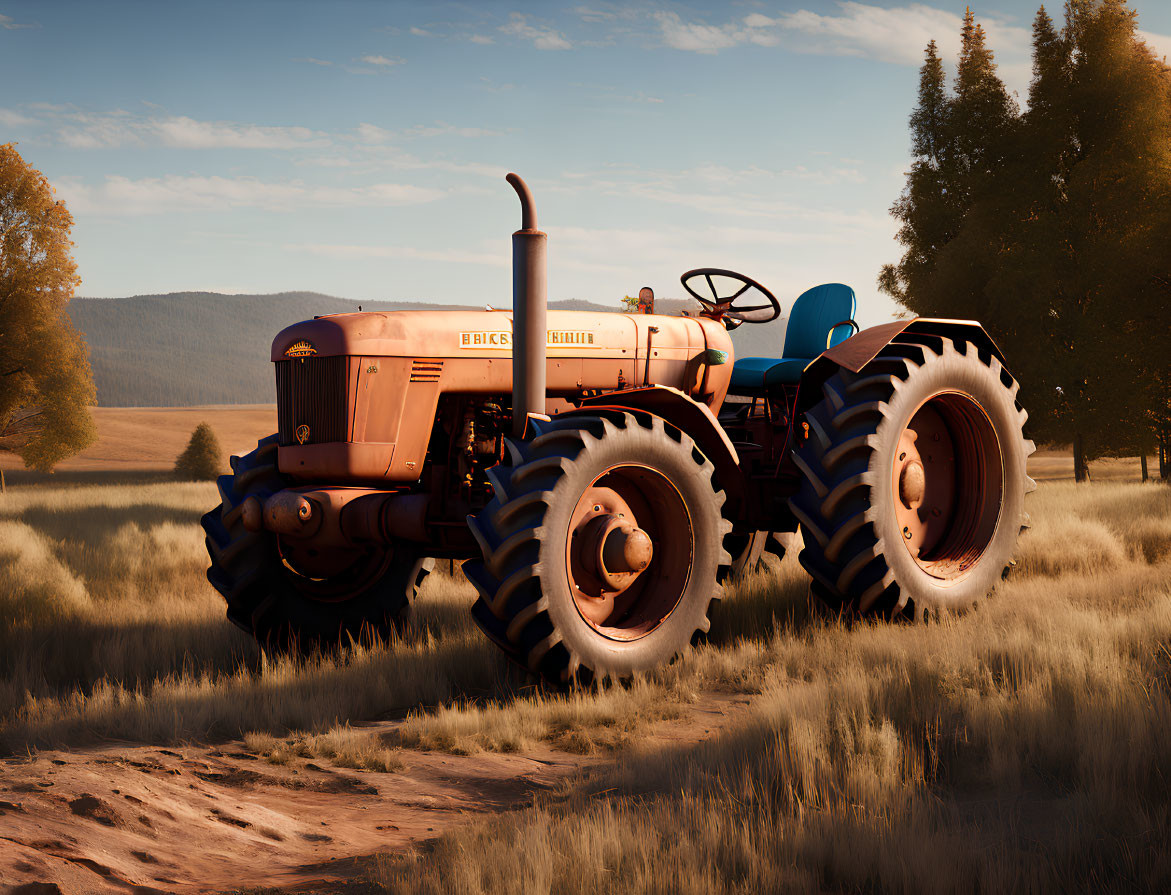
(469, 334)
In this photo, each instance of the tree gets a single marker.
(46, 387)
(1065, 217)
(202, 459)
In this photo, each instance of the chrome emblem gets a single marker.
(302, 433)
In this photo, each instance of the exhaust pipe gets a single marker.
(529, 301)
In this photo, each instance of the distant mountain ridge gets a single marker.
(189, 348)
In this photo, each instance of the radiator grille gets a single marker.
(426, 370)
(311, 392)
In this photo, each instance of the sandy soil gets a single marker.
(125, 818)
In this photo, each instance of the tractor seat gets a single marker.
(821, 318)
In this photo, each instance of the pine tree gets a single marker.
(926, 208)
(1066, 216)
(202, 459)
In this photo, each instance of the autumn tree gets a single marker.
(202, 459)
(46, 387)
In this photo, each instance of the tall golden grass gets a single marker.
(1026, 745)
(1022, 747)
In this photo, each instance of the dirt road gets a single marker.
(141, 819)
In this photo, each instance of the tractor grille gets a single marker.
(426, 370)
(311, 392)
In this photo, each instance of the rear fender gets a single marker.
(686, 415)
(859, 350)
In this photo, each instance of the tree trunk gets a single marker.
(1081, 472)
(1142, 460)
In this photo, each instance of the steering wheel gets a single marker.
(718, 307)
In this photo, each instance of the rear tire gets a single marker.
(888, 528)
(537, 604)
(274, 604)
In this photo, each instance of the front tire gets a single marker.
(281, 608)
(913, 480)
(552, 593)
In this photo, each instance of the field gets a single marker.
(149, 743)
(144, 441)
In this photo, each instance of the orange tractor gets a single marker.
(604, 473)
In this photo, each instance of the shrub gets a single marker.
(202, 458)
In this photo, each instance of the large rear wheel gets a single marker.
(288, 595)
(601, 548)
(913, 480)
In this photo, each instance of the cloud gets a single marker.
(896, 35)
(7, 23)
(381, 60)
(174, 193)
(543, 38)
(180, 132)
(1160, 44)
(483, 39)
(443, 129)
(12, 118)
(313, 61)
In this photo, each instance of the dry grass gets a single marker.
(1026, 746)
(110, 631)
(1023, 746)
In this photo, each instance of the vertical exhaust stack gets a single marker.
(529, 301)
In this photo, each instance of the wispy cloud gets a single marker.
(12, 118)
(443, 129)
(180, 132)
(176, 193)
(313, 60)
(381, 60)
(895, 35)
(542, 37)
(482, 39)
(9, 24)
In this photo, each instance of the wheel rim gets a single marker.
(948, 484)
(629, 551)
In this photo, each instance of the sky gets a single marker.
(359, 148)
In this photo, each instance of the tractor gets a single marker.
(603, 474)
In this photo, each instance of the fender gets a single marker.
(857, 351)
(687, 415)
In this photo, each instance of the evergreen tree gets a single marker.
(202, 459)
(1061, 250)
(927, 209)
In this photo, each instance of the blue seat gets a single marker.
(821, 317)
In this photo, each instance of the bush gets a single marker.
(202, 458)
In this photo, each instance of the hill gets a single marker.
(193, 348)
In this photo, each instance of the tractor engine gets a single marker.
(358, 395)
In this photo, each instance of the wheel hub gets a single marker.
(947, 481)
(629, 551)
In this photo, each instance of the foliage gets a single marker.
(203, 458)
(1051, 226)
(45, 383)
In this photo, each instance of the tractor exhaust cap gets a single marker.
(529, 306)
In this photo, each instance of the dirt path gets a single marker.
(134, 819)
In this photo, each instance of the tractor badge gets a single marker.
(300, 349)
(302, 433)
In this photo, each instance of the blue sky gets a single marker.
(359, 148)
